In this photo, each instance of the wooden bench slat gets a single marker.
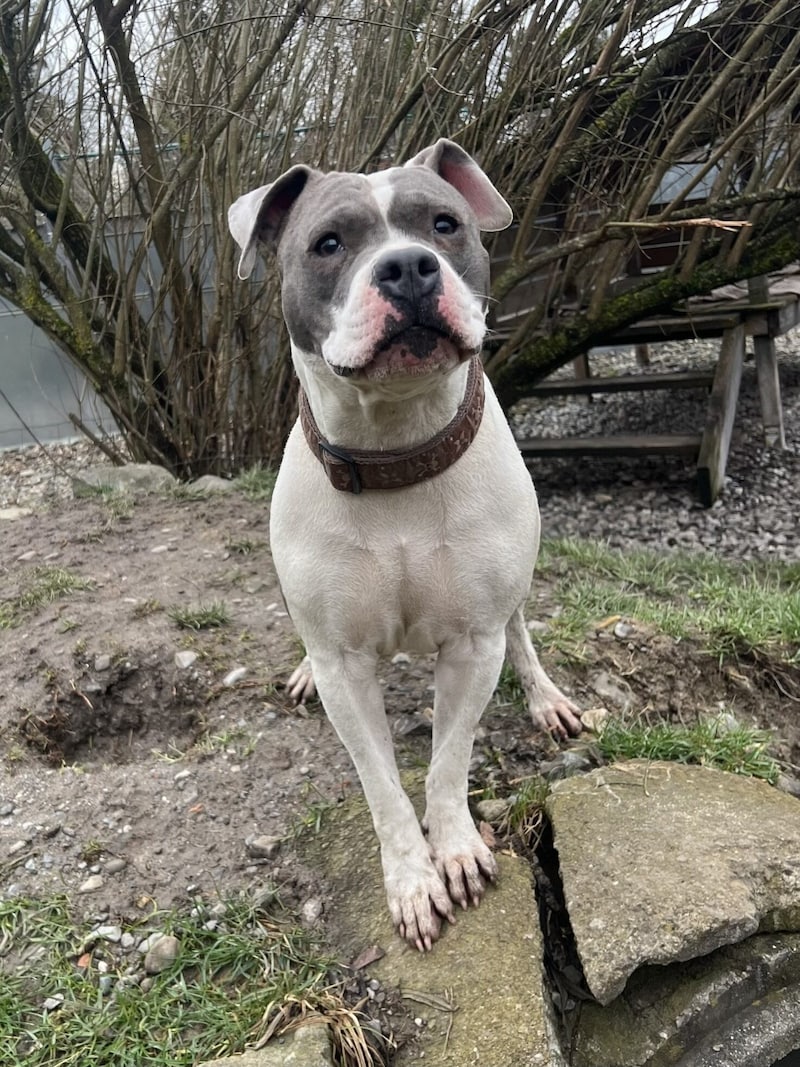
(623, 383)
(676, 328)
(614, 445)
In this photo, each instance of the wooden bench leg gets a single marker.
(769, 388)
(721, 412)
(582, 369)
(769, 383)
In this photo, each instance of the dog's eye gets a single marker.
(328, 245)
(445, 224)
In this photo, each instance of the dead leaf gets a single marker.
(367, 956)
(487, 834)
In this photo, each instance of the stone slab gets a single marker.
(307, 1046)
(488, 965)
(130, 478)
(683, 1012)
(663, 862)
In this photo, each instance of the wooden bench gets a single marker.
(758, 314)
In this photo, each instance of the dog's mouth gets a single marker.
(414, 351)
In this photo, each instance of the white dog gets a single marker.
(403, 516)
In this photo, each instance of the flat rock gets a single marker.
(308, 1046)
(488, 966)
(211, 483)
(662, 862)
(130, 478)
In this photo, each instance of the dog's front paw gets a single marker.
(300, 685)
(463, 860)
(419, 911)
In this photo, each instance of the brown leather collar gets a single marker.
(352, 470)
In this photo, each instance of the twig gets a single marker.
(731, 225)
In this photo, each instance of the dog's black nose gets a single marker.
(407, 274)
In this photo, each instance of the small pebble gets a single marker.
(162, 954)
(312, 910)
(594, 719)
(234, 676)
(109, 933)
(493, 810)
(263, 847)
(92, 884)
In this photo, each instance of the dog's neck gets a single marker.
(389, 415)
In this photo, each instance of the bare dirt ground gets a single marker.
(131, 784)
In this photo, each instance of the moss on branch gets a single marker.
(544, 354)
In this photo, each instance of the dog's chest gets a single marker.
(404, 570)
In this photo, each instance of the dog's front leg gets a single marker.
(351, 696)
(466, 674)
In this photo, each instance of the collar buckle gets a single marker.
(343, 457)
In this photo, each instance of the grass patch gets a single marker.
(526, 810)
(717, 742)
(118, 503)
(187, 492)
(146, 607)
(732, 609)
(251, 973)
(41, 585)
(509, 688)
(242, 546)
(200, 616)
(257, 482)
(236, 742)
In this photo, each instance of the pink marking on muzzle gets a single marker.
(459, 315)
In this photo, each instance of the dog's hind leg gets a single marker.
(349, 691)
(300, 683)
(549, 708)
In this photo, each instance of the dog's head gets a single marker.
(385, 274)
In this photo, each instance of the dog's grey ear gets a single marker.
(460, 170)
(260, 215)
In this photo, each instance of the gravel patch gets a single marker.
(34, 475)
(626, 502)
